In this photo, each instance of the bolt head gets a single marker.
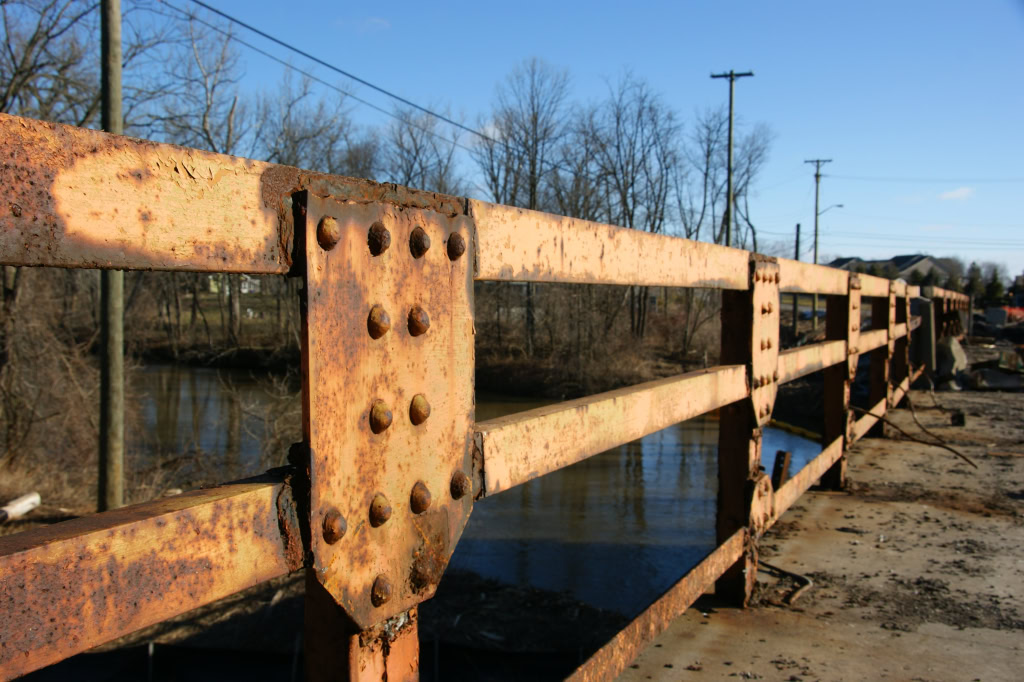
(419, 501)
(379, 322)
(380, 416)
(380, 510)
(460, 485)
(328, 232)
(334, 526)
(380, 593)
(763, 346)
(456, 246)
(378, 238)
(419, 242)
(419, 409)
(419, 321)
(775, 375)
(757, 275)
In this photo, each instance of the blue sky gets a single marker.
(919, 104)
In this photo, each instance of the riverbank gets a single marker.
(918, 568)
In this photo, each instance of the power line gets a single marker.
(314, 78)
(341, 71)
(865, 178)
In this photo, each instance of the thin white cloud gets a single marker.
(958, 194)
(374, 24)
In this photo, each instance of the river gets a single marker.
(614, 530)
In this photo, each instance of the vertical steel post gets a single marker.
(901, 346)
(880, 389)
(842, 322)
(750, 320)
(111, 446)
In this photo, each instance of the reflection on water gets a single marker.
(206, 423)
(615, 530)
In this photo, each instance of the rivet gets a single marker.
(778, 278)
(419, 242)
(769, 344)
(380, 510)
(765, 380)
(775, 375)
(379, 239)
(419, 409)
(763, 344)
(380, 593)
(419, 321)
(328, 232)
(419, 501)
(757, 275)
(379, 322)
(755, 382)
(334, 526)
(460, 485)
(456, 246)
(769, 308)
(764, 308)
(380, 416)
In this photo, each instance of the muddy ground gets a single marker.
(917, 569)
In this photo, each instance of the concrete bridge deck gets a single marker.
(918, 568)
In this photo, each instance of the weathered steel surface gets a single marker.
(914, 324)
(614, 657)
(71, 586)
(799, 362)
(796, 486)
(335, 649)
(873, 338)
(85, 199)
(806, 278)
(842, 323)
(529, 444)
(389, 415)
(873, 286)
(901, 390)
(899, 330)
(913, 291)
(866, 421)
(764, 339)
(518, 244)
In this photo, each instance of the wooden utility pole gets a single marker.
(818, 163)
(111, 460)
(732, 76)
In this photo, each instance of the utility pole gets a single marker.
(796, 295)
(818, 163)
(732, 76)
(111, 446)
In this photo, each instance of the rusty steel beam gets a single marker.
(81, 198)
(523, 446)
(914, 323)
(866, 421)
(71, 586)
(523, 245)
(806, 278)
(796, 486)
(899, 391)
(913, 291)
(874, 286)
(917, 374)
(616, 655)
(798, 362)
(871, 339)
(900, 330)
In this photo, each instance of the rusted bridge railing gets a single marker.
(393, 460)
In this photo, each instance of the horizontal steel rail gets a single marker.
(529, 444)
(81, 198)
(68, 587)
(799, 362)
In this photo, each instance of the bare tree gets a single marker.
(638, 155)
(419, 152)
(524, 133)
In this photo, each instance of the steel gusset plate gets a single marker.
(388, 391)
(764, 366)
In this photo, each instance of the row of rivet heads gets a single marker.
(378, 323)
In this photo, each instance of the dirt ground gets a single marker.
(917, 569)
